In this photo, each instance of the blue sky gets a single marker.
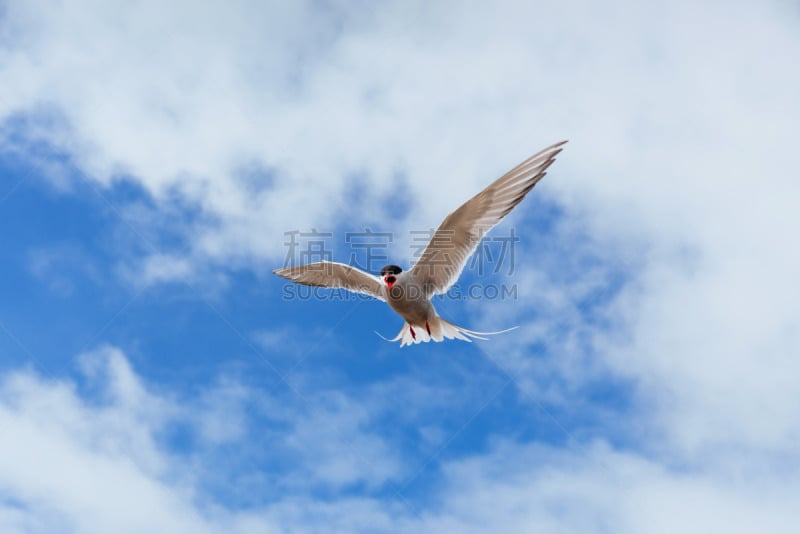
(154, 376)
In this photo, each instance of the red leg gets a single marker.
(413, 334)
(428, 327)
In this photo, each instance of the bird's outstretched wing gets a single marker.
(459, 234)
(334, 275)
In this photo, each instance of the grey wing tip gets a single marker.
(550, 152)
(556, 148)
(282, 272)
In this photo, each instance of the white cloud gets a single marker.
(681, 168)
(162, 268)
(183, 99)
(91, 469)
(76, 463)
(223, 415)
(335, 450)
(95, 457)
(596, 489)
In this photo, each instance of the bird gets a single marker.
(409, 292)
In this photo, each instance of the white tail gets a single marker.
(440, 330)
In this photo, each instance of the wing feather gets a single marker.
(334, 275)
(460, 233)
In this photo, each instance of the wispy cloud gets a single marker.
(659, 306)
(179, 136)
(57, 266)
(93, 457)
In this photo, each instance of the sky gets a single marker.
(159, 160)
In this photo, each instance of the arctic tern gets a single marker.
(409, 292)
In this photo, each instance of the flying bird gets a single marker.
(409, 292)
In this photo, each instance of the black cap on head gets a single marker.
(391, 269)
